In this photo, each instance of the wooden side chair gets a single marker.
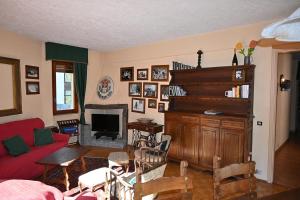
(165, 185)
(234, 180)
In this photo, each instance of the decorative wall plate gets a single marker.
(105, 87)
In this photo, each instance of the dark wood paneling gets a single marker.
(189, 142)
(209, 142)
(231, 146)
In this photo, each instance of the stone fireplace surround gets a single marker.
(86, 134)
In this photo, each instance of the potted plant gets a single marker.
(247, 53)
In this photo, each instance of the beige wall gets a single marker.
(32, 52)
(283, 100)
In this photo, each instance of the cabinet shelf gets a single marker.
(211, 83)
(211, 98)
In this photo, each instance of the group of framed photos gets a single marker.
(32, 72)
(147, 89)
(158, 73)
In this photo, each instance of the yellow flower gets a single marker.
(239, 46)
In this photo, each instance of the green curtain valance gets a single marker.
(55, 51)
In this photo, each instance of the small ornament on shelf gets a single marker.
(181, 66)
(234, 59)
(199, 58)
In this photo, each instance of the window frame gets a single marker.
(60, 112)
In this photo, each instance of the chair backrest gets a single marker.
(68, 126)
(168, 139)
(165, 184)
(234, 179)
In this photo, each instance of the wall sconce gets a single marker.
(284, 84)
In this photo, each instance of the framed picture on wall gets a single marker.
(161, 107)
(164, 92)
(32, 72)
(138, 105)
(127, 74)
(152, 103)
(135, 89)
(32, 87)
(159, 72)
(238, 75)
(150, 90)
(142, 74)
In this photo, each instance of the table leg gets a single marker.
(83, 163)
(152, 140)
(135, 136)
(66, 181)
(45, 173)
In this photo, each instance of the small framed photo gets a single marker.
(164, 92)
(138, 105)
(135, 89)
(142, 74)
(127, 74)
(32, 87)
(161, 107)
(159, 72)
(150, 90)
(238, 75)
(32, 72)
(152, 103)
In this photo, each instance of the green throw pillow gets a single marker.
(42, 137)
(15, 145)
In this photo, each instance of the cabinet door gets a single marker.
(174, 128)
(231, 146)
(189, 142)
(208, 147)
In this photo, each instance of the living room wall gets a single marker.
(218, 51)
(32, 52)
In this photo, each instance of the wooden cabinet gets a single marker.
(198, 141)
(196, 137)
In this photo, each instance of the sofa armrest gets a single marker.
(58, 137)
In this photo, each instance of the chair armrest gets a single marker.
(58, 137)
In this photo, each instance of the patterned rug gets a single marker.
(74, 173)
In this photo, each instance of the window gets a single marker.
(63, 88)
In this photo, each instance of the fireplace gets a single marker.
(106, 125)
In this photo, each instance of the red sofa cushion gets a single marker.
(24, 128)
(25, 166)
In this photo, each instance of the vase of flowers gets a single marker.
(247, 53)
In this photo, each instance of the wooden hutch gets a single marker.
(197, 137)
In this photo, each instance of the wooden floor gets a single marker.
(202, 181)
(287, 163)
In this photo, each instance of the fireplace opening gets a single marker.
(105, 125)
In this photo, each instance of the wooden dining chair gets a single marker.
(234, 180)
(167, 185)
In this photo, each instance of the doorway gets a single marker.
(287, 136)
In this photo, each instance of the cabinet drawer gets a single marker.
(210, 122)
(190, 119)
(233, 124)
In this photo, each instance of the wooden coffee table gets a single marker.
(63, 158)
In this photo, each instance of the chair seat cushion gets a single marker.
(94, 178)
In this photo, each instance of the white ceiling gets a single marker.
(108, 25)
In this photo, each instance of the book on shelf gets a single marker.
(240, 91)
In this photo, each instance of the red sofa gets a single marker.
(24, 166)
